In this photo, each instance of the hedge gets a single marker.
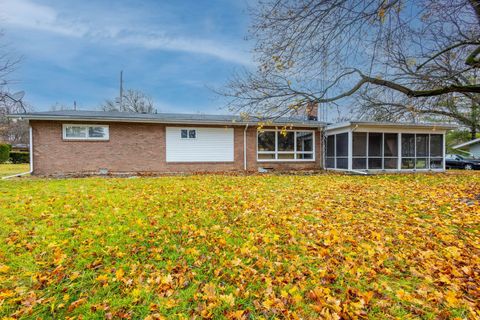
(5, 152)
(19, 157)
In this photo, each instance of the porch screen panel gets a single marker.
(330, 158)
(375, 150)
(436, 151)
(408, 151)
(341, 151)
(359, 144)
(390, 150)
(421, 151)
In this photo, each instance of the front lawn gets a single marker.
(11, 169)
(241, 247)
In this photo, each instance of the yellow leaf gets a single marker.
(74, 275)
(102, 278)
(4, 268)
(171, 303)
(297, 298)
(136, 292)
(119, 274)
(267, 304)
(228, 299)
(451, 298)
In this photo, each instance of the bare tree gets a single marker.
(132, 101)
(11, 131)
(328, 50)
(463, 108)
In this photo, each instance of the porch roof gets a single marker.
(402, 125)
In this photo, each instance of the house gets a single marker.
(93, 142)
(472, 147)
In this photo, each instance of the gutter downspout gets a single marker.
(245, 148)
(30, 133)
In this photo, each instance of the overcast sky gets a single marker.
(171, 50)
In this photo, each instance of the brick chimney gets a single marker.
(312, 110)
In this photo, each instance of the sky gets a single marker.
(174, 51)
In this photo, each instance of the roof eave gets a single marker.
(163, 121)
(465, 144)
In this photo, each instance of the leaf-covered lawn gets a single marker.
(10, 169)
(241, 247)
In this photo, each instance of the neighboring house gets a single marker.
(86, 142)
(21, 147)
(472, 147)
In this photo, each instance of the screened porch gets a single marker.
(369, 146)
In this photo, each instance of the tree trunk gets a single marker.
(473, 132)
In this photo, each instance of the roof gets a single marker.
(415, 125)
(461, 145)
(173, 118)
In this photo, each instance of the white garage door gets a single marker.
(189, 144)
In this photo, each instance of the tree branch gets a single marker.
(403, 89)
(457, 45)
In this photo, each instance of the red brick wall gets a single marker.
(136, 148)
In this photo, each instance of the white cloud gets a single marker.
(29, 15)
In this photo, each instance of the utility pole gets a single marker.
(121, 91)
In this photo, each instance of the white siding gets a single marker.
(210, 145)
(475, 150)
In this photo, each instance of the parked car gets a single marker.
(455, 161)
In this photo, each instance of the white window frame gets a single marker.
(87, 126)
(294, 152)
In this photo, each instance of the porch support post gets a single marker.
(399, 146)
(444, 150)
(350, 149)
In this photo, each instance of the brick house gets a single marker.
(97, 142)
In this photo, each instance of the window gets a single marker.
(188, 134)
(304, 145)
(286, 141)
(85, 132)
(281, 145)
(266, 141)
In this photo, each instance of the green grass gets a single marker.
(11, 169)
(241, 247)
